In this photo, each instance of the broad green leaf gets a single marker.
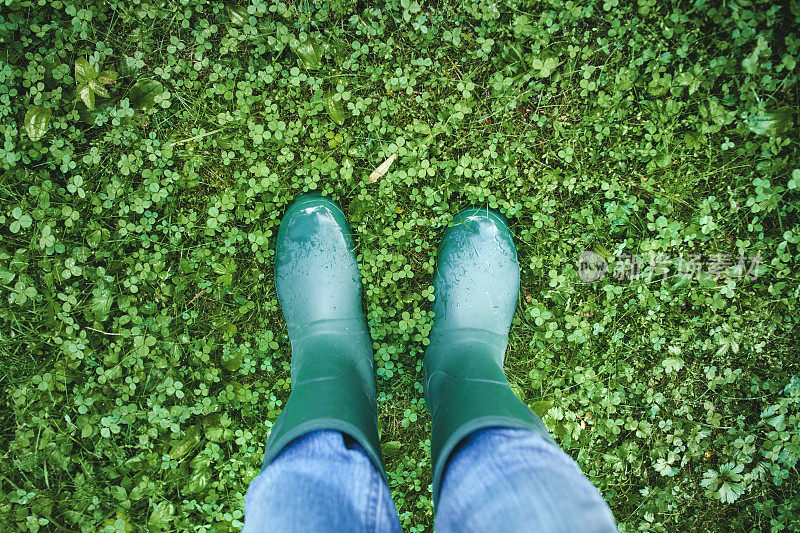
(186, 444)
(692, 140)
(334, 108)
(336, 48)
(215, 434)
(662, 159)
(681, 283)
(710, 480)
(672, 364)
(239, 15)
(84, 71)
(87, 95)
(778, 422)
(228, 266)
(730, 492)
(161, 516)
(94, 238)
(37, 120)
(198, 481)
(143, 94)
(102, 299)
(216, 427)
(542, 407)
(771, 123)
(664, 468)
(718, 113)
(309, 52)
(6, 276)
(391, 448)
(98, 88)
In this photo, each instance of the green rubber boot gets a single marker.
(476, 287)
(318, 285)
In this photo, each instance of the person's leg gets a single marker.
(333, 387)
(501, 479)
(511, 479)
(322, 481)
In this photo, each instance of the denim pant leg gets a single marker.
(322, 482)
(501, 479)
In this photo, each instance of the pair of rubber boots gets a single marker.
(476, 287)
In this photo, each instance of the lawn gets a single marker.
(645, 154)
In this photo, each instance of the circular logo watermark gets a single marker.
(591, 266)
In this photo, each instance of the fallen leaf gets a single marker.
(381, 171)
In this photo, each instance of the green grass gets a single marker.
(144, 356)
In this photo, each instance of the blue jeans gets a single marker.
(498, 479)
